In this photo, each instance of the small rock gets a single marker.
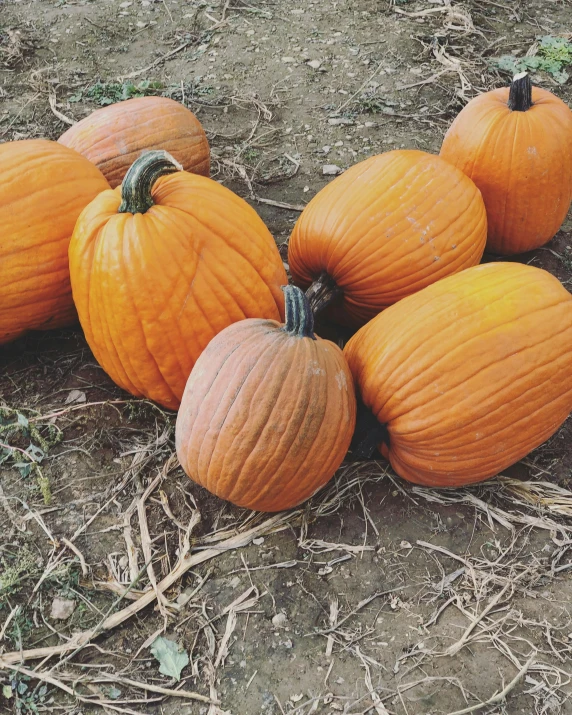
(259, 540)
(296, 698)
(326, 148)
(279, 619)
(314, 64)
(369, 124)
(331, 170)
(405, 545)
(234, 582)
(75, 396)
(62, 608)
(340, 121)
(288, 60)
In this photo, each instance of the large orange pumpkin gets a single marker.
(470, 374)
(384, 229)
(516, 145)
(113, 137)
(268, 412)
(159, 266)
(43, 188)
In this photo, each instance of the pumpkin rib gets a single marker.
(418, 434)
(462, 348)
(212, 386)
(275, 447)
(228, 407)
(437, 336)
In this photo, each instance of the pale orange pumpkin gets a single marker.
(113, 137)
(268, 411)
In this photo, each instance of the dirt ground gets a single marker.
(376, 597)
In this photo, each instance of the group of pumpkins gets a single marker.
(461, 369)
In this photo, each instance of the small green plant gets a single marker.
(23, 565)
(105, 93)
(554, 54)
(24, 698)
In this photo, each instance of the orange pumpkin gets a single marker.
(43, 189)
(470, 374)
(159, 266)
(268, 412)
(113, 137)
(516, 145)
(384, 229)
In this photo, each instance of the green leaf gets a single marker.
(22, 420)
(7, 691)
(171, 656)
(35, 452)
(24, 468)
(113, 692)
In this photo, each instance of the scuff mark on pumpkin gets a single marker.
(341, 380)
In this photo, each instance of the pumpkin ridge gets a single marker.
(461, 348)
(474, 422)
(242, 482)
(229, 352)
(245, 356)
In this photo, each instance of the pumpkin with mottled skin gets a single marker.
(113, 137)
(516, 145)
(268, 412)
(43, 189)
(384, 229)
(468, 375)
(163, 264)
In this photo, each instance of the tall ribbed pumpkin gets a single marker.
(516, 145)
(113, 137)
(384, 229)
(268, 412)
(43, 188)
(162, 264)
(468, 375)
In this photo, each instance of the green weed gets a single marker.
(105, 93)
(554, 54)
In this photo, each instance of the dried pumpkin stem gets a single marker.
(299, 316)
(138, 183)
(520, 94)
(322, 292)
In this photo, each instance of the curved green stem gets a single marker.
(138, 183)
(299, 316)
(520, 94)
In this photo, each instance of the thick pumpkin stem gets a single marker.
(322, 292)
(368, 433)
(299, 316)
(520, 95)
(138, 183)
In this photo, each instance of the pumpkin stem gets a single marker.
(140, 178)
(299, 316)
(368, 433)
(322, 292)
(520, 95)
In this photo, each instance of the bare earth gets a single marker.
(374, 598)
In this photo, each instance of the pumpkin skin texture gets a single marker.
(113, 137)
(521, 160)
(44, 188)
(268, 412)
(470, 374)
(160, 266)
(384, 229)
